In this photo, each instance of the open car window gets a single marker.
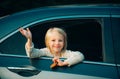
(84, 35)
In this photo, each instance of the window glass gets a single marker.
(13, 45)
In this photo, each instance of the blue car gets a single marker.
(92, 29)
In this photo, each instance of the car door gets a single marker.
(116, 40)
(89, 33)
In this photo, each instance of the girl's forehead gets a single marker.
(55, 35)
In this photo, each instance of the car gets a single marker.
(91, 29)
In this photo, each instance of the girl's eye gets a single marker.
(56, 40)
(53, 40)
(60, 40)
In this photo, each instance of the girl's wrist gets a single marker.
(29, 43)
(65, 63)
(29, 39)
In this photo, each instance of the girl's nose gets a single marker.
(57, 42)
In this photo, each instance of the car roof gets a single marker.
(12, 22)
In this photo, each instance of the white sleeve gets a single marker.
(74, 57)
(34, 52)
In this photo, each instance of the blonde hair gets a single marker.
(60, 31)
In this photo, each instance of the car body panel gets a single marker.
(42, 75)
(84, 68)
(24, 18)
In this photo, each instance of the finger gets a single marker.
(53, 65)
(21, 30)
(28, 29)
(55, 61)
(58, 60)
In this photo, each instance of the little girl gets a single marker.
(56, 44)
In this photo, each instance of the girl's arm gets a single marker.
(74, 57)
(29, 46)
(27, 33)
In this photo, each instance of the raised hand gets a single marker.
(27, 33)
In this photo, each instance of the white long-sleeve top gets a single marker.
(72, 57)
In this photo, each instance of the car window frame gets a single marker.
(60, 18)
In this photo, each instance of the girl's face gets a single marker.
(56, 42)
